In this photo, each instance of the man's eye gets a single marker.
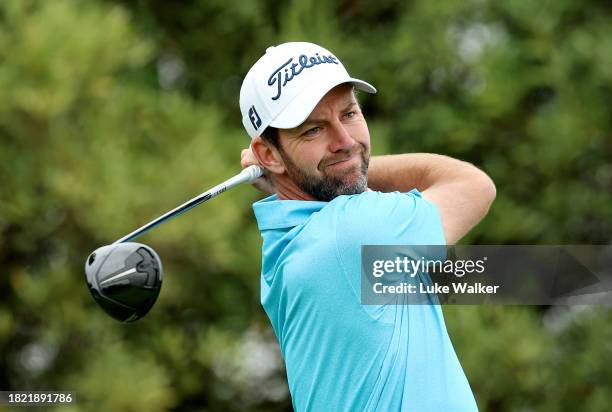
(312, 132)
(349, 115)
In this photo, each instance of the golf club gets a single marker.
(125, 277)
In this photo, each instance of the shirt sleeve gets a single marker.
(376, 218)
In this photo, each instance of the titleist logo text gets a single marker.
(293, 70)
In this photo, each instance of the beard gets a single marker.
(327, 187)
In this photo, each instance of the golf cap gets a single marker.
(284, 86)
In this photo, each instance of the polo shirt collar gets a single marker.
(273, 213)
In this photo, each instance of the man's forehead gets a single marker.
(340, 97)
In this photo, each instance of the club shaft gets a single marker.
(250, 174)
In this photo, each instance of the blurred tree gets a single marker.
(112, 112)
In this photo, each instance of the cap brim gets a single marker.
(300, 108)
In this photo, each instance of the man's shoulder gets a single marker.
(379, 201)
(392, 217)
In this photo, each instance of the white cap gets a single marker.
(284, 86)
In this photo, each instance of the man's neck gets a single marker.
(286, 189)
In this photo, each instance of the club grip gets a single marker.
(253, 172)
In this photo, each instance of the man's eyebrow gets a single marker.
(349, 105)
(306, 123)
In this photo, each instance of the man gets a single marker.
(308, 132)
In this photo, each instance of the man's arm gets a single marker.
(462, 192)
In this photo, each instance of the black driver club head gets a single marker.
(125, 279)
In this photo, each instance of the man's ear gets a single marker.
(267, 155)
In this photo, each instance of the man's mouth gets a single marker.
(340, 161)
(343, 161)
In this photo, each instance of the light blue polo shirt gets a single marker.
(341, 355)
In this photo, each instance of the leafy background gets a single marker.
(112, 112)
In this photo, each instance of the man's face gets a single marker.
(328, 154)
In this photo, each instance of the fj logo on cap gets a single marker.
(254, 117)
(304, 62)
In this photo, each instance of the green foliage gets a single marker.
(112, 112)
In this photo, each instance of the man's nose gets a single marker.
(340, 138)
